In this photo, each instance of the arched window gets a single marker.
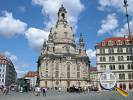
(104, 59)
(124, 86)
(113, 67)
(113, 58)
(119, 58)
(119, 67)
(111, 50)
(110, 66)
(132, 66)
(128, 58)
(122, 76)
(122, 67)
(78, 70)
(57, 66)
(130, 86)
(129, 76)
(68, 70)
(46, 65)
(57, 70)
(78, 67)
(127, 50)
(110, 58)
(129, 66)
(122, 58)
(63, 15)
(120, 86)
(101, 59)
(119, 50)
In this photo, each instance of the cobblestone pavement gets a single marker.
(52, 95)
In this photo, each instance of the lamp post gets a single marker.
(126, 5)
(127, 16)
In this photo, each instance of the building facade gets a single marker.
(93, 77)
(61, 63)
(116, 54)
(7, 71)
(32, 76)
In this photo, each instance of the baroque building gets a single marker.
(62, 63)
(116, 54)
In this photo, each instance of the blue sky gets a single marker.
(25, 24)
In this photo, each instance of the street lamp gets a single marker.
(126, 5)
(127, 16)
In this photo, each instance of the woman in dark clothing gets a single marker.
(44, 91)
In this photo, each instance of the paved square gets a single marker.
(52, 95)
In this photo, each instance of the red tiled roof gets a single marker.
(31, 74)
(113, 40)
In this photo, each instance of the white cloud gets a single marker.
(20, 67)
(108, 24)
(12, 57)
(10, 26)
(36, 37)
(50, 8)
(91, 53)
(124, 30)
(117, 4)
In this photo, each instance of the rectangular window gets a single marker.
(129, 76)
(46, 73)
(57, 74)
(68, 74)
(102, 51)
(121, 76)
(78, 74)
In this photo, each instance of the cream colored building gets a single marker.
(115, 54)
(62, 63)
(32, 76)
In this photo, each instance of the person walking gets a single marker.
(38, 91)
(44, 91)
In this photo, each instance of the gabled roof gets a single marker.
(31, 74)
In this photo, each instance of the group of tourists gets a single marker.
(4, 90)
(75, 89)
(38, 90)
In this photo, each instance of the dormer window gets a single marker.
(110, 43)
(127, 42)
(119, 42)
(63, 15)
(103, 43)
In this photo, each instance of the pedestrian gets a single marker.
(59, 89)
(4, 90)
(44, 91)
(38, 91)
